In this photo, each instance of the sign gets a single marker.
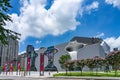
(11, 66)
(5, 67)
(41, 62)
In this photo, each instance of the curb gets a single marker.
(91, 77)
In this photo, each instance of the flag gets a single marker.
(11, 66)
(5, 67)
(41, 62)
(28, 64)
(18, 66)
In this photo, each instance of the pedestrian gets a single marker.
(49, 73)
(57, 71)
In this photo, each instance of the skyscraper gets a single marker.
(8, 52)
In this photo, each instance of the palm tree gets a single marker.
(63, 61)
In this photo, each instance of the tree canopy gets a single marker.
(64, 62)
(63, 59)
(4, 9)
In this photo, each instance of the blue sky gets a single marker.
(44, 23)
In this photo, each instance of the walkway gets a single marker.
(47, 76)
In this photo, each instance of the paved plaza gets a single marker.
(47, 76)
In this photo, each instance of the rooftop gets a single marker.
(86, 40)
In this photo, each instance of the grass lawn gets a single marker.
(99, 74)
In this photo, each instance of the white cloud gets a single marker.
(35, 21)
(113, 42)
(100, 35)
(37, 42)
(94, 5)
(115, 3)
(21, 52)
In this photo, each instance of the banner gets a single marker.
(18, 66)
(28, 64)
(41, 62)
(11, 66)
(5, 67)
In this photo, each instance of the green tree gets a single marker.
(90, 63)
(4, 9)
(114, 60)
(98, 63)
(80, 64)
(1, 68)
(63, 61)
(70, 65)
(105, 64)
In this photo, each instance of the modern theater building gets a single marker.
(77, 47)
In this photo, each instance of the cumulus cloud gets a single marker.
(34, 20)
(37, 42)
(115, 3)
(113, 42)
(21, 52)
(100, 35)
(89, 8)
(94, 5)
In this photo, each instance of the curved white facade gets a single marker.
(90, 50)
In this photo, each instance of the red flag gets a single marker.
(41, 62)
(5, 67)
(28, 64)
(18, 66)
(11, 66)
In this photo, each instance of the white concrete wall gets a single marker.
(61, 51)
(90, 51)
(37, 62)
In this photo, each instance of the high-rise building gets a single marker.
(8, 52)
